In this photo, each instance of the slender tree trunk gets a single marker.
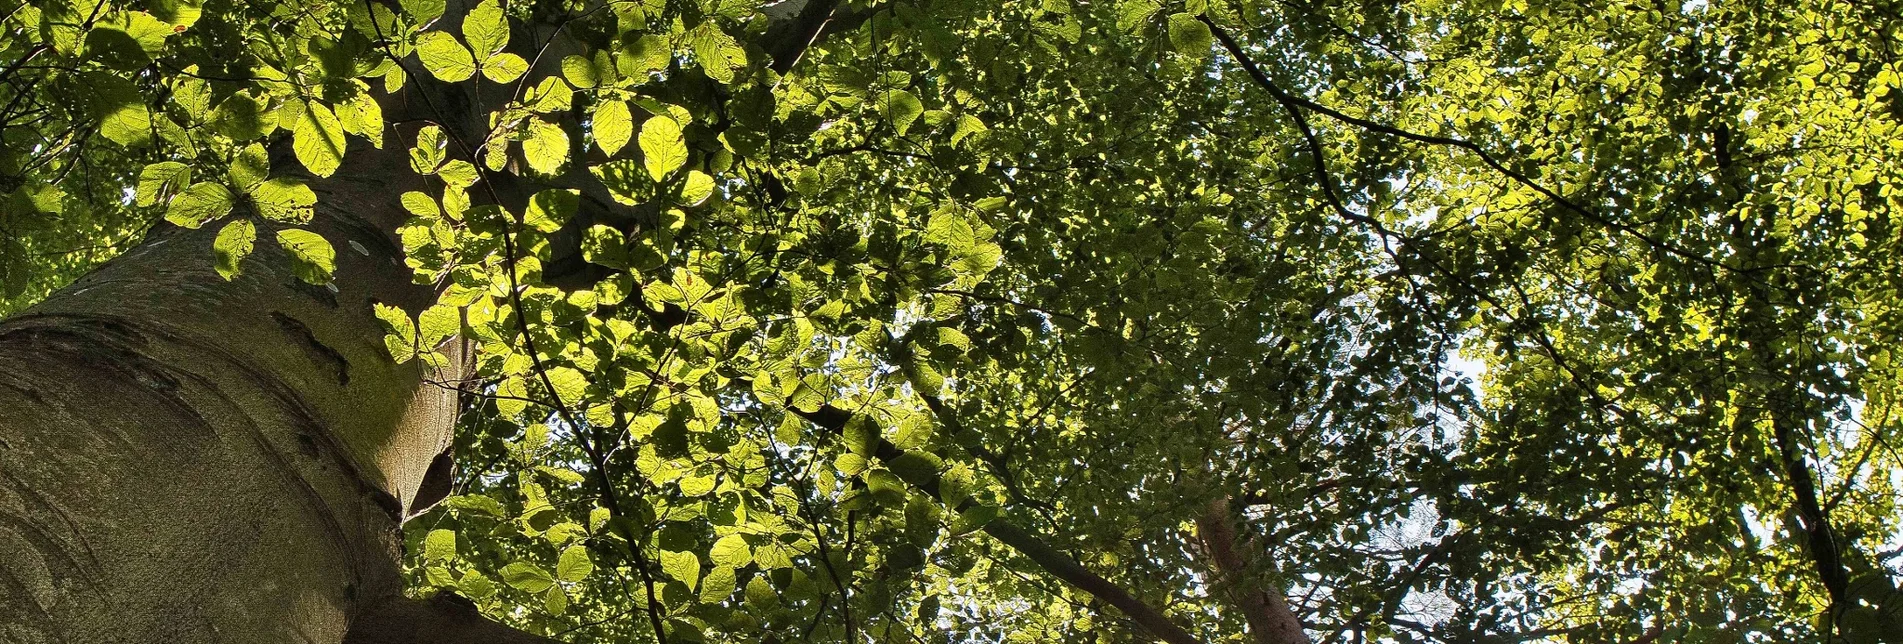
(1267, 612)
(189, 459)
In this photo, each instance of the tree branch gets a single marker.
(1027, 543)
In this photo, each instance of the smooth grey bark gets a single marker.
(189, 459)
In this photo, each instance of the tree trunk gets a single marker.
(189, 459)
(1267, 612)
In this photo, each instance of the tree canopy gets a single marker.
(1068, 320)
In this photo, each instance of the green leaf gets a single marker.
(439, 545)
(546, 148)
(850, 464)
(427, 155)
(977, 261)
(242, 118)
(318, 139)
(178, 13)
(663, 149)
(954, 338)
(1190, 36)
(1132, 14)
(956, 484)
(760, 593)
(731, 551)
(401, 341)
(249, 167)
(901, 108)
(504, 67)
(613, 126)
(159, 181)
(550, 95)
(574, 565)
(235, 242)
(284, 199)
(527, 577)
(127, 40)
(647, 54)
(683, 566)
(718, 586)
(200, 203)
(475, 586)
(424, 10)
(363, 116)
(462, 502)
(486, 29)
(459, 173)
(119, 107)
(570, 385)
(580, 72)
(312, 258)
(549, 208)
(194, 95)
(421, 205)
(968, 125)
(605, 246)
(438, 322)
(445, 58)
(973, 519)
(696, 189)
(718, 53)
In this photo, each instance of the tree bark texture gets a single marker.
(189, 459)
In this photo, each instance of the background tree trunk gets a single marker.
(1267, 612)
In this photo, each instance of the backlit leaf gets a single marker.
(312, 258)
(574, 564)
(318, 139)
(662, 147)
(613, 126)
(234, 243)
(159, 181)
(546, 148)
(486, 29)
(445, 58)
(200, 203)
(527, 577)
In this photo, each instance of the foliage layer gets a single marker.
(1485, 321)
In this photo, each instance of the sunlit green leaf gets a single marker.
(318, 138)
(284, 199)
(527, 577)
(549, 208)
(445, 58)
(486, 29)
(312, 258)
(159, 181)
(662, 147)
(575, 564)
(1190, 36)
(613, 126)
(546, 148)
(234, 243)
(200, 203)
